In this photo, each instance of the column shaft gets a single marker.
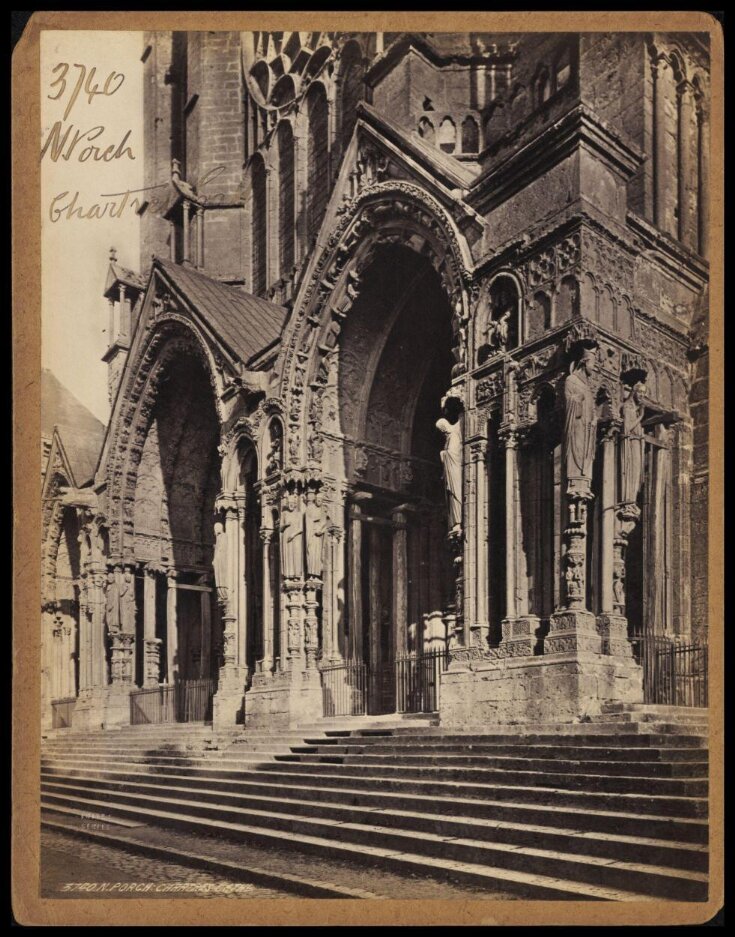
(510, 525)
(205, 667)
(660, 163)
(266, 535)
(172, 632)
(400, 583)
(687, 231)
(608, 523)
(355, 574)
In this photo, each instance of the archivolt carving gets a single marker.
(174, 338)
(381, 210)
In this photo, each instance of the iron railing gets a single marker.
(418, 679)
(675, 671)
(344, 689)
(409, 683)
(62, 711)
(182, 701)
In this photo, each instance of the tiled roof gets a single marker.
(246, 324)
(81, 433)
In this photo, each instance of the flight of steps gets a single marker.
(614, 808)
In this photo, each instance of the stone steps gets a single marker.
(502, 788)
(628, 848)
(622, 811)
(578, 778)
(520, 761)
(636, 878)
(584, 819)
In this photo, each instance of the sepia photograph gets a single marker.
(375, 464)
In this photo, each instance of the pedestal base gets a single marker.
(284, 699)
(613, 631)
(102, 707)
(520, 690)
(572, 631)
(227, 702)
(520, 636)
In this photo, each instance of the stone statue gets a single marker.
(632, 441)
(292, 539)
(315, 528)
(127, 602)
(497, 330)
(220, 556)
(451, 457)
(580, 424)
(112, 604)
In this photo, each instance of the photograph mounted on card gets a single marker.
(376, 550)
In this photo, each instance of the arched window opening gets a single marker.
(502, 329)
(538, 317)
(470, 135)
(447, 136)
(567, 301)
(259, 228)
(426, 130)
(286, 195)
(284, 91)
(543, 87)
(317, 161)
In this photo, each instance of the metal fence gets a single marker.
(344, 689)
(675, 672)
(62, 711)
(409, 684)
(182, 701)
(418, 679)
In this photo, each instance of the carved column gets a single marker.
(152, 643)
(400, 581)
(235, 526)
(172, 631)
(122, 641)
(611, 622)
(335, 595)
(375, 612)
(661, 167)
(518, 637)
(96, 600)
(480, 623)
(703, 141)
(311, 622)
(355, 576)
(266, 536)
(687, 227)
(85, 635)
(185, 216)
(200, 236)
(294, 590)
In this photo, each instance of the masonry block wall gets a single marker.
(157, 112)
(699, 407)
(215, 144)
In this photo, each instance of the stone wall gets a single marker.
(154, 229)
